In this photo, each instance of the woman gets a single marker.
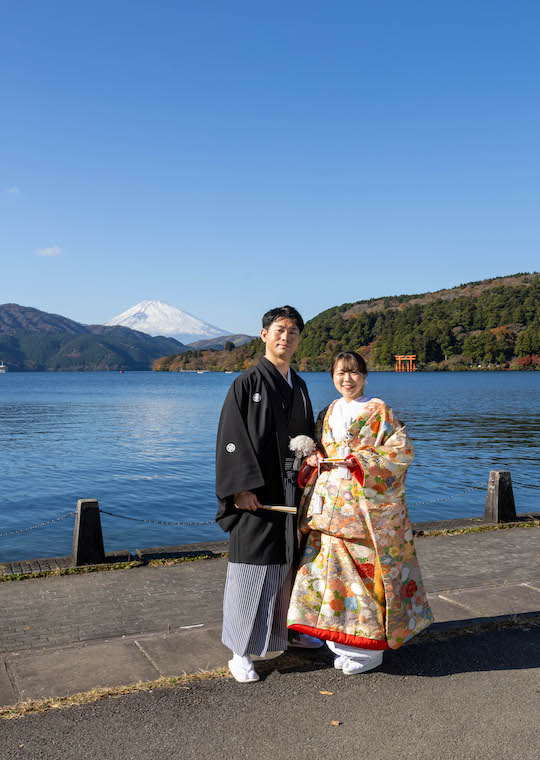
(358, 585)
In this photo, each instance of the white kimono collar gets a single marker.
(343, 415)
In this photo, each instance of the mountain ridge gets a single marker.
(34, 340)
(471, 289)
(218, 344)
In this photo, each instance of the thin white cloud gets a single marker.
(54, 250)
(13, 190)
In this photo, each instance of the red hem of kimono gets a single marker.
(340, 638)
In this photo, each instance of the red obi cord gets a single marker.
(305, 474)
(357, 471)
(341, 638)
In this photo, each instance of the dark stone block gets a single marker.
(120, 555)
(87, 536)
(206, 549)
(500, 505)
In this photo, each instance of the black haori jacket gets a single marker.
(259, 417)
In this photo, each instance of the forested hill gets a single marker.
(488, 323)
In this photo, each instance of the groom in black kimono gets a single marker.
(266, 406)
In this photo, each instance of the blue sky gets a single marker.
(227, 157)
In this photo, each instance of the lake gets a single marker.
(142, 443)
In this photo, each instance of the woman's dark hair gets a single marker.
(351, 360)
(282, 312)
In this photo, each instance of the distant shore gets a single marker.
(436, 368)
(430, 368)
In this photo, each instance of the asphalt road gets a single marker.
(457, 697)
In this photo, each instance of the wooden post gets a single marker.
(500, 505)
(87, 537)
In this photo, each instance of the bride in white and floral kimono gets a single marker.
(358, 585)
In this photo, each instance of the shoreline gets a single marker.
(16, 570)
(122, 371)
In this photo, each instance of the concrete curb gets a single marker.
(120, 560)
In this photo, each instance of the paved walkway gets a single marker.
(62, 635)
(463, 697)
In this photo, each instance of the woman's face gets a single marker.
(348, 379)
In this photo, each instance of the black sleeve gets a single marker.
(310, 416)
(309, 408)
(237, 468)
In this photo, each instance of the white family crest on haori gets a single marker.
(230, 447)
(301, 446)
(256, 397)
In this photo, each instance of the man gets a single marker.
(266, 406)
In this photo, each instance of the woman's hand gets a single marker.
(313, 459)
(246, 500)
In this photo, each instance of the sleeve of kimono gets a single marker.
(388, 456)
(237, 468)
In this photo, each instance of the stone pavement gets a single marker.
(62, 635)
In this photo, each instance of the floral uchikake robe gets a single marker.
(359, 582)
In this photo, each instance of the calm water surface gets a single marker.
(142, 443)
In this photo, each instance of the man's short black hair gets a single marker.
(282, 312)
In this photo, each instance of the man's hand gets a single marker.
(246, 500)
(313, 459)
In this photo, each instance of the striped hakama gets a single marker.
(255, 607)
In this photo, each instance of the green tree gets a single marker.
(528, 341)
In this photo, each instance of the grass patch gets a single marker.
(70, 571)
(533, 523)
(180, 560)
(106, 567)
(35, 706)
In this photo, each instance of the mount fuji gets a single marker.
(159, 318)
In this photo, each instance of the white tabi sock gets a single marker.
(244, 662)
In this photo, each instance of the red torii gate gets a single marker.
(405, 363)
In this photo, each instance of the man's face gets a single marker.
(281, 338)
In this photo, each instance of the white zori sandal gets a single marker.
(352, 666)
(242, 669)
(353, 660)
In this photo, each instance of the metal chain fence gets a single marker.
(40, 525)
(211, 522)
(447, 498)
(155, 522)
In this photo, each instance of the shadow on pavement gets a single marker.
(510, 648)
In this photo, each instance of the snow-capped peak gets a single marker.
(158, 318)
